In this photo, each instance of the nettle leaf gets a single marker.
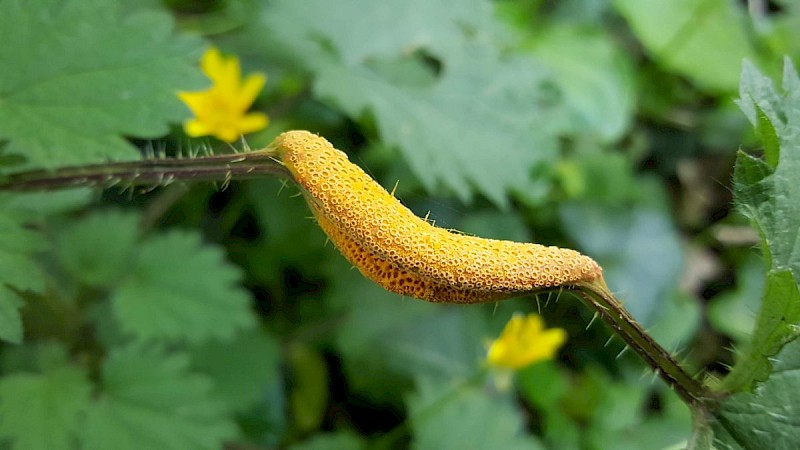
(703, 39)
(768, 417)
(150, 399)
(470, 418)
(43, 411)
(770, 197)
(775, 326)
(83, 76)
(482, 123)
(180, 289)
(98, 249)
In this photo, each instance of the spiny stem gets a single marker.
(597, 295)
(149, 172)
(223, 168)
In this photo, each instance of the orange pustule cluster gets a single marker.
(406, 254)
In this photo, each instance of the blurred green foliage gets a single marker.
(193, 317)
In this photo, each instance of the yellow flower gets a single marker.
(524, 341)
(221, 110)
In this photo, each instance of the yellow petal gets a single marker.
(250, 89)
(251, 122)
(196, 101)
(196, 128)
(524, 341)
(212, 62)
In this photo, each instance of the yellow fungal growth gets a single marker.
(406, 254)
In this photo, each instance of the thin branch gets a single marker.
(150, 172)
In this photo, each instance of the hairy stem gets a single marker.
(149, 172)
(597, 295)
(224, 168)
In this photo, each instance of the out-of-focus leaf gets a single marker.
(385, 339)
(98, 249)
(10, 321)
(242, 369)
(638, 248)
(596, 78)
(768, 417)
(340, 440)
(734, 312)
(289, 235)
(149, 399)
(180, 289)
(702, 39)
(482, 124)
(309, 394)
(18, 268)
(448, 417)
(43, 411)
(83, 76)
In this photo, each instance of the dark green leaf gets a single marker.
(180, 289)
(84, 76)
(43, 411)
(98, 249)
(10, 321)
(149, 399)
(768, 417)
(242, 369)
(340, 440)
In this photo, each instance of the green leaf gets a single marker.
(770, 197)
(18, 267)
(447, 417)
(149, 399)
(340, 440)
(766, 418)
(309, 396)
(595, 76)
(775, 326)
(242, 369)
(18, 244)
(482, 124)
(180, 289)
(734, 312)
(767, 134)
(97, 249)
(385, 339)
(703, 39)
(10, 321)
(85, 76)
(43, 411)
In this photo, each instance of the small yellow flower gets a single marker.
(524, 341)
(221, 110)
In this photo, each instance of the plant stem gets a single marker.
(597, 295)
(161, 172)
(149, 172)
